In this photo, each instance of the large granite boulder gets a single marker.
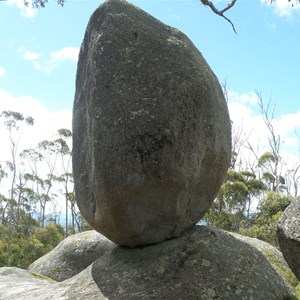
(72, 255)
(151, 130)
(203, 263)
(288, 233)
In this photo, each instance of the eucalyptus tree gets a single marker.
(293, 180)
(64, 174)
(12, 121)
(38, 193)
(3, 199)
(293, 173)
(269, 210)
(51, 176)
(48, 150)
(232, 208)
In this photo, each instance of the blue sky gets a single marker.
(39, 54)
(263, 56)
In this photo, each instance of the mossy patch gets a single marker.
(53, 272)
(40, 276)
(297, 290)
(285, 271)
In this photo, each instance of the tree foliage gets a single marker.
(42, 3)
(254, 196)
(266, 217)
(25, 249)
(39, 181)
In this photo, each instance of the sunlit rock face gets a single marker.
(151, 130)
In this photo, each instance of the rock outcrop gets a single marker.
(72, 255)
(151, 130)
(203, 263)
(288, 233)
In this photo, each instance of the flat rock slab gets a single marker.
(203, 263)
(151, 129)
(288, 233)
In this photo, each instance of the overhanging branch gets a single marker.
(222, 11)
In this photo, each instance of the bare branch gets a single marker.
(231, 4)
(222, 11)
(297, 134)
(225, 90)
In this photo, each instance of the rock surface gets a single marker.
(18, 284)
(203, 263)
(288, 233)
(273, 255)
(151, 130)
(72, 255)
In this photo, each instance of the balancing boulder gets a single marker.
(151, 130)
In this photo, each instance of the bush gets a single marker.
(19, 250)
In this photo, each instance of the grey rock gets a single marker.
(273, 255)
(151, 130)
(72, 255)
(14, 282)
(288, 233)
(18, 284)
(203, 263)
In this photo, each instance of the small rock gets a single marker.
(72, 255)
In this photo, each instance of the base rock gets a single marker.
(288, 233)
(203, 263)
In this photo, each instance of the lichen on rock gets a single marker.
(288, 233)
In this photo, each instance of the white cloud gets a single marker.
(246, 98)
(68, 53)
(288, 123)
(60, 56)
(54, 59)
(34, 57)
(37, 65)
(249, 125)
(284, 8)
(245, 120)
(28, 55)
(2, 71)
(26, 11)
(173, 16)
(45, 125)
